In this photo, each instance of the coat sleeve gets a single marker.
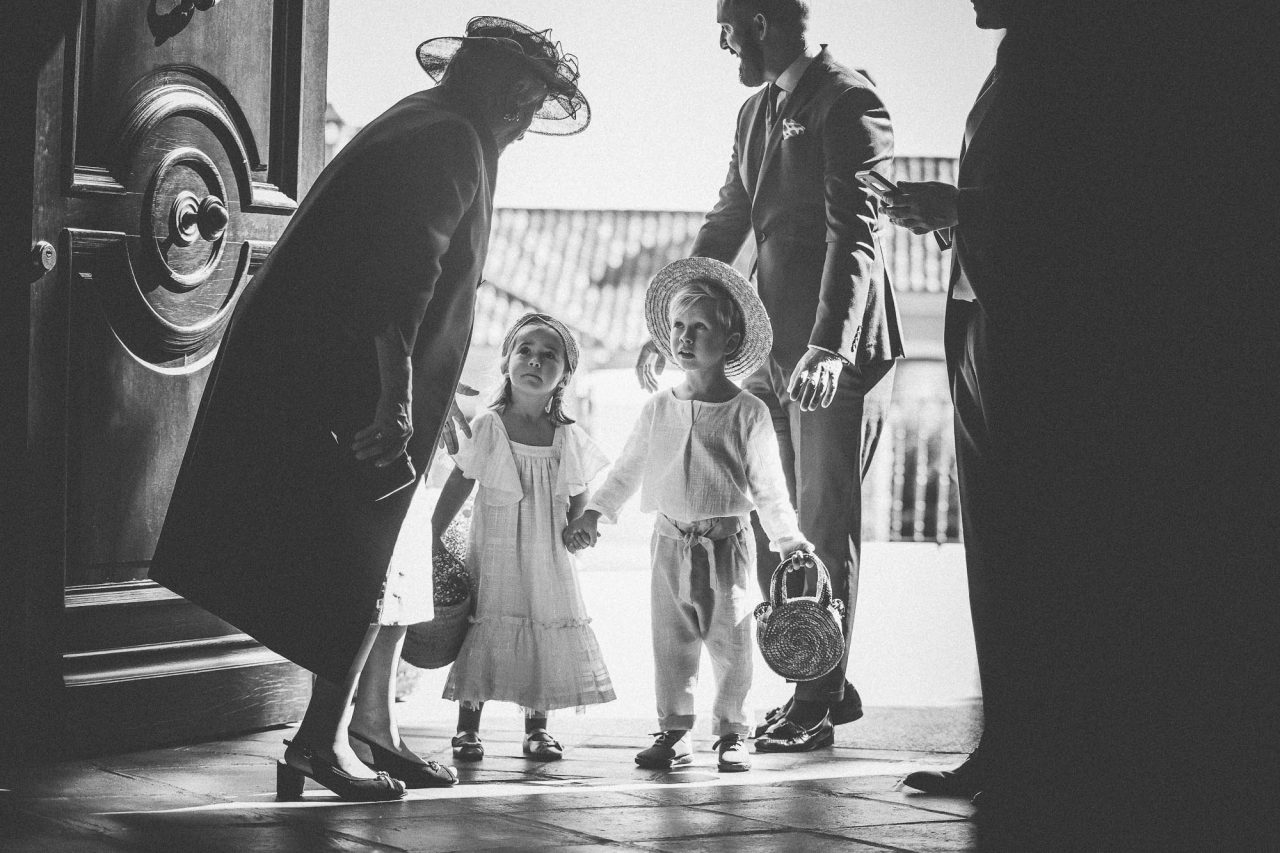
(421, 183)
(856, 136)
(729, 222)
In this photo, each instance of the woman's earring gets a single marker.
(550, 400)
(511, 117)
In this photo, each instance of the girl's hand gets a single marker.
(581, 533)
(455, 421)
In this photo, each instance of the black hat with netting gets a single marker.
(564, 112)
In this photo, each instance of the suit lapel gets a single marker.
(753, 146)
(796, 101)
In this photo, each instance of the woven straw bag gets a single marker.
(436, 642)
(801, 638)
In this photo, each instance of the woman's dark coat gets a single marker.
(265, 529)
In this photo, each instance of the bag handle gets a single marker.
(798, 561)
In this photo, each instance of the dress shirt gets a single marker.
(692, 461)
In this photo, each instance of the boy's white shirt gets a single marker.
(692, 460)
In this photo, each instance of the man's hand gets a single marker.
(649, 366)
(815, 379)
(923, 207)
(455, 420)
(582, 532)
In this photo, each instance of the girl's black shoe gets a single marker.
(291, 778)
(414, 774)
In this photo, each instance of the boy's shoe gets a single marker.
(732, 755)
(670, 749)
(539, 745)
(467, 747)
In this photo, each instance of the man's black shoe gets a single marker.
(965, 780)
(788, 736)
(846, 710)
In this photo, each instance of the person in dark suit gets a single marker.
(341, 358)
(819, 268)
(1110, 378)
(977, 397)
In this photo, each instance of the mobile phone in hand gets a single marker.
(877, 183)
(882, 186)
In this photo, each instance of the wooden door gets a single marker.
(168, 141)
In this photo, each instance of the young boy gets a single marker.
(703, 455)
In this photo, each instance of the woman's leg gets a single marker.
(374, 715)
(324, 726)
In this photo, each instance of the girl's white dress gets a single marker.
(530, 640)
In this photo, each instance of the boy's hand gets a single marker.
(582, 532)
(791, 546)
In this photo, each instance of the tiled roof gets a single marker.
(590, 267)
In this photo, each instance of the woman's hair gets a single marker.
(723, 306)
(488, 75)
(502, 398)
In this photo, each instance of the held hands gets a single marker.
(582, 532)
(815, 379)
(923, 207)
(649, 366)
(455, 420)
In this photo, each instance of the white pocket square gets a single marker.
(791, 127)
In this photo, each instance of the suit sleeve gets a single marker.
(856, 136)
(729, 222)
(420, 186)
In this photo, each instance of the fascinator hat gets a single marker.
(757, 338)
(564, 112)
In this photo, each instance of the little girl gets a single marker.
(530, 641)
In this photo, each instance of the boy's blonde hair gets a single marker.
(723, 306)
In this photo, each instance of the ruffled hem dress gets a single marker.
(530, 640)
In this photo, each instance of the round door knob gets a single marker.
(190, 220)
(212, 218)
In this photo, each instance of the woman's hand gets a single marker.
(582, 532)
(456, 420)
(649, 366)
(387, 437)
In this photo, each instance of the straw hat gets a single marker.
(564, 112)
(757, 339)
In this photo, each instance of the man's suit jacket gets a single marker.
(819, 268)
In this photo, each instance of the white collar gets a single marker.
(789, 79)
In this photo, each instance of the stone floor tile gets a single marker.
(29, 833)
(845, 784)
(649, 822)
(477, 831)
(217, 779)
(559, 799)
(75, 779)
(693, 796)
(827, 813)
(760, 842)
(955, 837)
(103, 814)
(275, 838)
(959, 806)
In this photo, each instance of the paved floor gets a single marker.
(218, 796)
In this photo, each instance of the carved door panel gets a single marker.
(179, 137)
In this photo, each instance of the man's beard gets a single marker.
(751, 65)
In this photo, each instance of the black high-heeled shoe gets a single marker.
(291, 779)
(427, 774)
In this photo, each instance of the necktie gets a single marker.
(771, 110)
